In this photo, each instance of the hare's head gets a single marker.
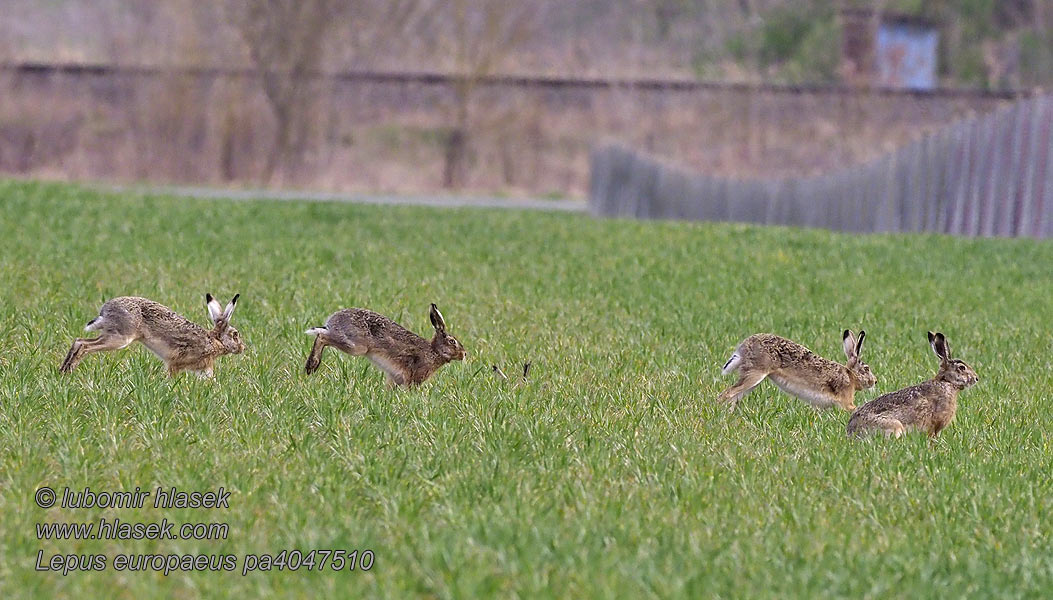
(445, 344)
(222, 331)
(864, 379)
(952, 370)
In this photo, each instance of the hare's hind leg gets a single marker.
(889, 426)
(747, 381)
(84, 346)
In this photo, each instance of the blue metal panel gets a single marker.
(906, 55)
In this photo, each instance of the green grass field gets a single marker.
(612, 473)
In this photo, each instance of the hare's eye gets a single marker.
(961, 367)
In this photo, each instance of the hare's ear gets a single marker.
(859, 342)
(849, 343)
(215, 311)
(436, 318)
(939, 346)
(227, 312)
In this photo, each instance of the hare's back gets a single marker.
(908, 405)
(131, 314)
(779, 351)
(360, 324)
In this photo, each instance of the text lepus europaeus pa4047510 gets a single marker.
(182, 344)
(798, 371)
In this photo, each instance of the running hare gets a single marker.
(405, 357)
(182, 344)
(928, 406)
(798, 371)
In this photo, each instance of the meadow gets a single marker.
(610, 473)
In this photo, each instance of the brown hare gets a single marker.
(928, 406)
(406, 358)
(798, 371)
(182, 344)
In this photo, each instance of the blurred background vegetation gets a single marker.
(268, 119)
(988, 44)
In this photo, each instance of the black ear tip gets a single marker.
(208, 298)
(235, 300)
(862, 333)
(844, 336)
(433, 307)
(932, 337)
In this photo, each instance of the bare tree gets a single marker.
(479, 36)
(285, 40)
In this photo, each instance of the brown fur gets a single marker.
(929, 406)
(182, 344)
(798, 371)
(406, 358)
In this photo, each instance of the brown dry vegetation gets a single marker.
(386, 136)
(277, 125)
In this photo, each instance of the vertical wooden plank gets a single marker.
(629, 193)
(963, 188)
(863, 189)
(1045, 208)
(811, 206)
(648, 180)
(669, 201)
(932, 181)
(757, 201)
(802, 192)
(1008, 178)
(990, 195)
(599, 179)
(705, 190)
(909, 186)
(721, 206)
(1027, 205)
(885, 209)
(831, 203)
(974, 216)
(734, 187)
(950, 151)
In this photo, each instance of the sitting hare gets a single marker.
(798, 371)
(182, 344)
(405, 357)
(928, 406)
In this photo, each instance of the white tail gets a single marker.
(317, 331)
(732, 364)
(92, 324)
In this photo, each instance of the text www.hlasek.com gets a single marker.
(115, 529)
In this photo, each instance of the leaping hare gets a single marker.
(928, 406)
(798, 371)
(405, 357)
(182, 344)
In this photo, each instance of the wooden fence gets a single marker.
(984, 176)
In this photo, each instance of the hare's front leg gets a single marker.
(314, 359)
(747, 381)
(84, 346)
(175, 369)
